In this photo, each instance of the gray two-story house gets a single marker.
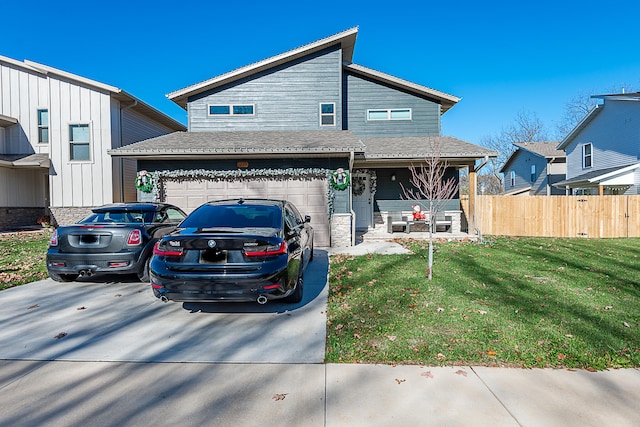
(603, 150)
(533, 168)
(310, 126)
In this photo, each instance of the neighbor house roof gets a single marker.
(620, 175)
(447, 101)
(115, 92)
(547, 150)
(24, 160)
(420, 147)
(347, 40)
(247, 143)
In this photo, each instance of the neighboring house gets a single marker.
(288, 126)
(55, 130)
(533, 169)
(603, 150)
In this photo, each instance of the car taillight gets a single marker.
(54, 238)
(135, 238)
(157, 250)
(269, 251)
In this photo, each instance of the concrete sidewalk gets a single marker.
(197, 394)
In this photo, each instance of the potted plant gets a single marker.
(45, 221)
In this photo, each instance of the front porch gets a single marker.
(378, 234)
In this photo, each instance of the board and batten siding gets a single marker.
(286, 97)
(22, 92)
(364, 94)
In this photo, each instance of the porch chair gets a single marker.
(397, 219)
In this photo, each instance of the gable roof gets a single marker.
(347, 40)
(38, 160)
(546, 150)
(580, 126)
(447, 101)
(115, 92)
(326, 143)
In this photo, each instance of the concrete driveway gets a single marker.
(121, 321)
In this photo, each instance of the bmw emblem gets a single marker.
(211, 243)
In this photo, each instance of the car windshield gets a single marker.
(234, 216)
(120, 217)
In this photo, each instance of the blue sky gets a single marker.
(499, 57)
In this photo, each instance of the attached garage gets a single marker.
(309, 196)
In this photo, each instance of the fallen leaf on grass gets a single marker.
(400, 381)
(60, 335)
(279, 396)
(626, 325)
(561, 356)
(461, 372)
(491, 353)
(391, 337)
(427, 374)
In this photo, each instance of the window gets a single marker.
(79, 139)
(533, 173)
(43, 126)
(231, 110)
(328, 114)
(587, 156)
(389, 114)
(512, 178)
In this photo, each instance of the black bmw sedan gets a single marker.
(235, 250)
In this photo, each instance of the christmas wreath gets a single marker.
(144, 182)
(339, 179)
(358, 185)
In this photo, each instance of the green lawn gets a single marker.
(22, 257)
(532, 302)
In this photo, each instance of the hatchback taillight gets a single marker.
(54, 238)
(269, 250)
(135, 238)
(157, 250)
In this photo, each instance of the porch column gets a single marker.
(472, 200)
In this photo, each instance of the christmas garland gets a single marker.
(339, 179)
(144, 182)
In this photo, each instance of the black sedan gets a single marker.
(235, 250)
(117, 238)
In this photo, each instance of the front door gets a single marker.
(362, 203)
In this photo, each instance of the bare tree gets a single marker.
(428, 183)
(527, 127)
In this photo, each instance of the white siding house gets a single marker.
(55, 130)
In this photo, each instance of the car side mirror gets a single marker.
(307, 218)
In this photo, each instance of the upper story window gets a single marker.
(533, 173)
(231, 110)
(328, 114)
(80, 142)
(587, 155)
(389, 114)
(43, 126)
(512, 178)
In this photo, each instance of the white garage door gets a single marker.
(309, 196)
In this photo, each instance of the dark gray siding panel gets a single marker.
(287, 97)
(363, 94)
(137, 127)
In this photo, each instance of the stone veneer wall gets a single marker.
(341, 230)
(16, 218)
(67, 216)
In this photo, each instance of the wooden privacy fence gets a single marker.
(557, 216)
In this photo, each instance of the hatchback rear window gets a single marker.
(119, 217)
(236, 216)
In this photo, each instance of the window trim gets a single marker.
(322, 115)
(533, 173)
(389, 112)
(42, 126)
(589, 156)
(231, 107)
(512, 178)
(88, 143)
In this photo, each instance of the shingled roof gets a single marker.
(419, 147)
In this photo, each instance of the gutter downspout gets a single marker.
(352, 156)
